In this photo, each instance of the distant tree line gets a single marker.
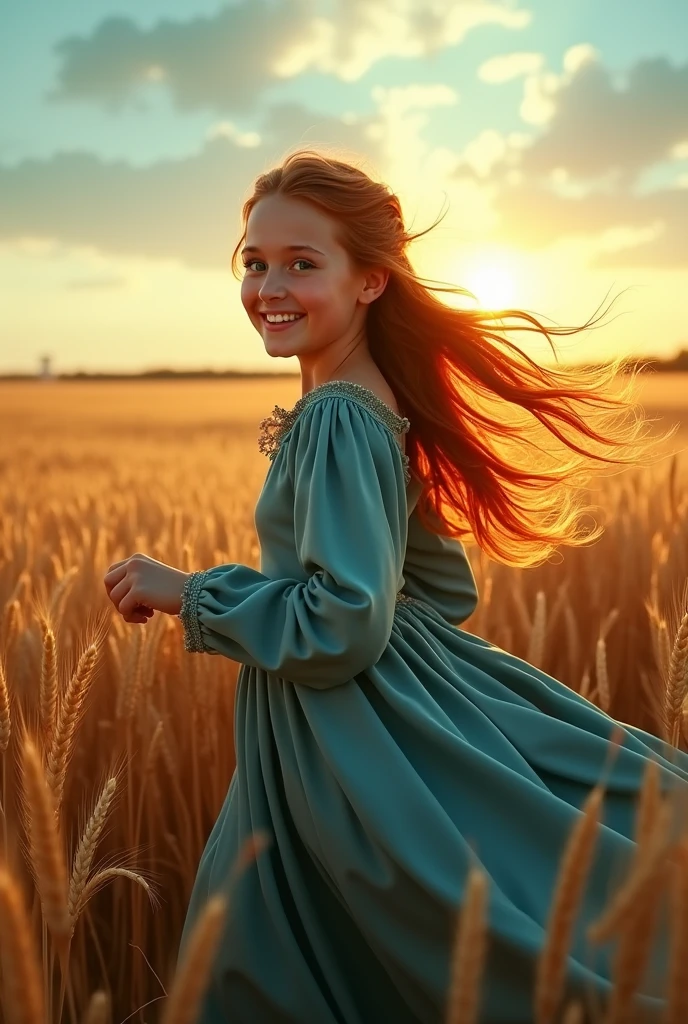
(679, 364)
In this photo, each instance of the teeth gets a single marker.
(278, 318)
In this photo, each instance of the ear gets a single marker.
(374, 284)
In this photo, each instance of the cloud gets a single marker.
(581, 174)
(228, 59)
(532, 217)
(186, 209)
(221, 61)
(363, 32)
(509, 65)
(597, 128)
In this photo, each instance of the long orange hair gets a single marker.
(445, 368)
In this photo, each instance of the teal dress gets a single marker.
(382, 747)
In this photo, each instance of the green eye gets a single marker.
(249, 263)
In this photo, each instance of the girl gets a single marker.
(381, 747)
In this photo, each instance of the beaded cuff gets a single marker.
(188, 613)
(273, 429)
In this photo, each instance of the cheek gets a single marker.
(248, 293)
(320, 297)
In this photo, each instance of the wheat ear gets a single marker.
(70, 711)
(5, 714)
(22, 991)
(96, 882)
(469, 953)
(191, 977)
(677, 685)
(87, 848)
(98, 1010)
(45, 843)
(48, 684)
(573, 871)
(573, 1014)
(10, 627)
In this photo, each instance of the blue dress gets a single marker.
(381, 746)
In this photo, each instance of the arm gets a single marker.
(350, 528)
(437, 571)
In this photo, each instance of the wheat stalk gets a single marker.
(22, 991)
(113, 647)
(664, 647)
(573, 870)
(572, 637)
(71, 707)
(87, 847)
(11, 623)
(191, 977)
(469, 953)
(521, 607)
(602, 674)
(60, 594)
(45, 845)
(649, 805)
(645, 865)
(126, 698)
(22, 586)
(536, 646)
(677, 990)
(633, 950)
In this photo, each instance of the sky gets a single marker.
(552, 135)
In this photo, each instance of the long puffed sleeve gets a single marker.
(350, 530)
(437, 571)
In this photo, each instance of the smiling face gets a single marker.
(319, 282)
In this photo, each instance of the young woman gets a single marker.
(381, 747)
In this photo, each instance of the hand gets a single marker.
(140, 585)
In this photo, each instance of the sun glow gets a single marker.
(492, 281)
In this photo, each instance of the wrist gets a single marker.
(182, 589)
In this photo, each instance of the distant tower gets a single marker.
(46, 372)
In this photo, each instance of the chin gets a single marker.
(273, 348)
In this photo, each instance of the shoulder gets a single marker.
(346, 416)
(376, 385)
(340, 403)
(337, 412)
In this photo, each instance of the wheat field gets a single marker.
(115, 745)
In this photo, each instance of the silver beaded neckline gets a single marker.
(274, 428)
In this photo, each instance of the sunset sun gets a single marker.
(493, 283)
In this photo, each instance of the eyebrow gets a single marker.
(287, 248)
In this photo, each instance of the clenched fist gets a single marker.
(139, 585)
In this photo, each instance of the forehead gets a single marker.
(280, 221)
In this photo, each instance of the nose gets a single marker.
(271, 287)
